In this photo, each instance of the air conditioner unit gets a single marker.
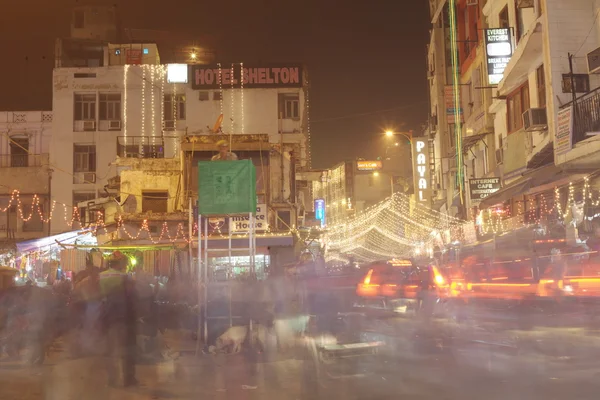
(114, 125)
(499, 156)
(535, 119)
(89, 177)
(593, 61)
(89, 125)
(169, 125)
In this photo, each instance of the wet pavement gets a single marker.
(434, 360)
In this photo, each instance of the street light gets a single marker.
(389, 133)
(375, 173)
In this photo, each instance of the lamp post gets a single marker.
(390, 134)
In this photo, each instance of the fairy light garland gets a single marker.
(220, 87)
(143, 129)
(125, 77)
(242, 96)
(231, 111)
(153, 104)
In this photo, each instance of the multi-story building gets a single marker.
(25, 175)
(351, 187)
(546, 106)
(135, 129)
(475, 122)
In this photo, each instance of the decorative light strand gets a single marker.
(231, 111)
(220, 88)
(153, 104)
(125, 78)
(242, 96)
(143, 105)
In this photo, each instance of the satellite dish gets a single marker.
(217, 127)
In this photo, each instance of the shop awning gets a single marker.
(470, 141)
(506, 193)
(528, 51)
(540, 180)
(68, 238)
(542, 157)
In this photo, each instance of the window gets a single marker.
(80, 197)
(85, 107)
(110, 107)
(84, 158)
(289, 105)
(503, 21)
(174, 107)
(19, 152)
(155, 201)
(582, 83)
(520, 28)
(78, 19)
(517, 104)
(203, 95)
(35, 223)
(217, 96)
(541, 86)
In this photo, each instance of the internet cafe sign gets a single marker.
(482, 188)
(241, 223)
(248, 77)
(368, 165)
(421, 171)
(498, 45)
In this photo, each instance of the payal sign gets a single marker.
(421, 170)
(241, 223)
(498, 45)
(248, 77)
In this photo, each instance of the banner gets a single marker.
(226, 187)
(241, 223)
(563, 141)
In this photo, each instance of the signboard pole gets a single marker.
(201, 287)
(205, 279)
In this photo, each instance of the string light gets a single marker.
(153, 104)
(242, 94)
(125, 76)
(231, 112)
(307, 110)
(143, 130)
(221, 88)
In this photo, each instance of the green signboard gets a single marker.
(226, 187)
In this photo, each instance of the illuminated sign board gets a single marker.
(482, 188)
(368, 165)
(248, 77)
(421, 171)
(498, 46)
(320, 211)
(177, 73)
(241, 223)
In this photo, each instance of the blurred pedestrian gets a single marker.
(224, 153)
(118, 291)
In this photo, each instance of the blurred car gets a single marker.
(400, 286)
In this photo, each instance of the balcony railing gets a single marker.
(586, 114)
(23, 160)
(140, 147)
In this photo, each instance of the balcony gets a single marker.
(140, 147)
(586, 113)
(23, 160)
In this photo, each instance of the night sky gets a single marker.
(366, 59)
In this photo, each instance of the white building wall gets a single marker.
(29, 173)
(249, 111)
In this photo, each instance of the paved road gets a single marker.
(419, 364)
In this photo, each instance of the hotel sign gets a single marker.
(498, 46)
(249, 77)
(482, 188)
(369, 165)
(421, 171)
